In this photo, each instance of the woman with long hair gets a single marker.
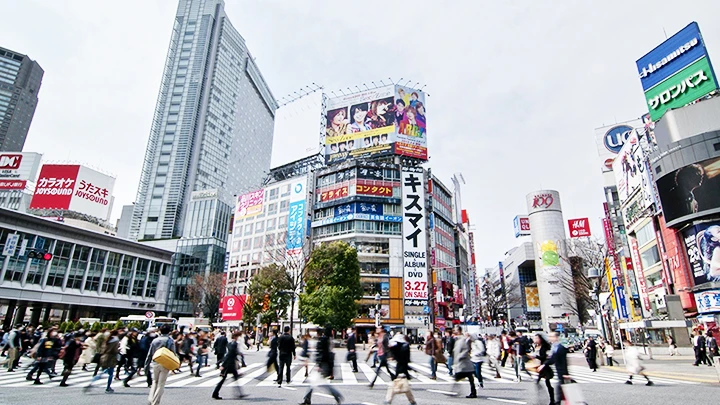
(709, 244)
(545, 370)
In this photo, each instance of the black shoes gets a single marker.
(217, 397)
(64, 385)
(471, 396)
(650, 383)
(125, 384)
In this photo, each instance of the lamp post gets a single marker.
(377, 310)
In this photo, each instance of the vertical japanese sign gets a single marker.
(296, 218)
(640, 275)
(11, 244)
(414, 234)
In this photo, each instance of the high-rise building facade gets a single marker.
(210, 140)
(20, 79)
(213, 123)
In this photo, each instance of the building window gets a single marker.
(61, 258)
(259, 226)
(126, 275)
(270, 224)
(111, 272)
(284, 205)
(97, 261)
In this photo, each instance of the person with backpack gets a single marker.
(70, 355)
(159, 373)
(325, 363)
(143, 348)
(13, 345)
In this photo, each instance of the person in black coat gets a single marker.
(230, 366)
(545, 370)
(591, 354)
(221, 345)
(351, 348)
(286, 349)
(273, 353)
(558, 358)
(324, 361)
(73, 348)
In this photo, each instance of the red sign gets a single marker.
(334, 194)
(375, 190)
(543, 201)
(55, 187)
(12, 184)
(10, 161)
(232, 307)
(525, 224)
(639, 275)
(579, 228)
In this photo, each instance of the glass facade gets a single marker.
(213, 123)
(20, 80)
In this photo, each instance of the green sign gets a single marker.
(682, 88)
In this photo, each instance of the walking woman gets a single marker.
(544, 371)
(477, 356)
(464, 368)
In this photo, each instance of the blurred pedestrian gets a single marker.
(324, 361)
(464, 367)
(159, 373)
(634, 363)
(71, 355)
(108, 361)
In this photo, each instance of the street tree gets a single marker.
(332, 285)
(205, 292)
(295, 266)
(267, 295)
(583, 255)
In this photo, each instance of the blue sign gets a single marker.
(616, 136)
(360, 208)
(350, 217)
(296, 220)
(668, 58)
(426, 310)
(621, 302)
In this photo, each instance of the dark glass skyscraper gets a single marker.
(20, 79)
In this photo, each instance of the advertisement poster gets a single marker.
(296, 218)
(232, 307)
(702, 244)
(250, 204)
(708, 301)
(367, 188)
(690, 190)
(17, 168)
(414, 232)
(334, 193)
(377, 122)
(73, 188)
(532, 299)
(579, 228)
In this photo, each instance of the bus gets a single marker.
(148, 323)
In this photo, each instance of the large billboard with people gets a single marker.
(702, 244)
(690, 191)
(383, 121)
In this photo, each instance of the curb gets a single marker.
(667, 375)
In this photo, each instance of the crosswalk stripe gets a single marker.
(299, 376)
(370, 374)
(347, 374)
(209, 374)
(211, 382)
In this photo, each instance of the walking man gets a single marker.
(351, 347)
(286, 349)
(220, 347)
(324, 360)
(450, 349)
(47, 351)
(230, 366)
(558, 357)
(159, 373)
(700, 347)
(73, 348)
(400, 349)
(493, 354)
(464, 367)
(143, 348)
(14, 343)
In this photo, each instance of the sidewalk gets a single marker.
(676, 367)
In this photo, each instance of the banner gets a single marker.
(232, 307)
(532, 299)
(296, 218)
(702, 243)
(579, 228)
(250, 204)
(414, 234)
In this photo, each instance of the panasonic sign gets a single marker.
(652, 68)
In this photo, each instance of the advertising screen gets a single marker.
(383, 121)
(250, 204)
(690, 191)
(414, 232)
(702, 244)
(74, 188)
(708, 301)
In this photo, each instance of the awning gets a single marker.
(656, 324)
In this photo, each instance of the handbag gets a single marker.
(532, 365)
(400, 385)
(573, 394)
(351, 356)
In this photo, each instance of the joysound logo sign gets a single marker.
(616, 136)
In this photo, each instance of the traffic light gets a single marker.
(40, 255)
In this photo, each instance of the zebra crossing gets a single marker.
(255, 374)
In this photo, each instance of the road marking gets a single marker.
(367, 403)
(506, 400)
(443, 392)
(326, 395)
(347, 374)
(285, 387)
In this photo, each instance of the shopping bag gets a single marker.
(166, 358)
(400, 385)
(573, 394)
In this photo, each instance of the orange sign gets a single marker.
(380, 191)
(329, 195)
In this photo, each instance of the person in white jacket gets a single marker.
(493, 354)
(634, 364)
(478, 353)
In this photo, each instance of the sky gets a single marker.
(514, 89)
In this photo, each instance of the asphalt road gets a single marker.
(604, 387)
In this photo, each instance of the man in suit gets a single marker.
(230, 366)
(286, 354)
(351, 347)
(220, 346)
(558, 357)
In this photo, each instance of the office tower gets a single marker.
(20, 79)
(211, 139)
(213, 123)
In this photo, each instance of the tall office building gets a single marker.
(213, 123)
(20, 79)
(211, 139)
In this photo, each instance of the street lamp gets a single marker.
(377, 310)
